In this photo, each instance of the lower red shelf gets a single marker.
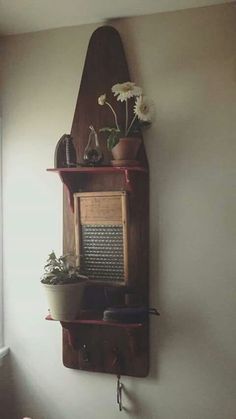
(100, 322)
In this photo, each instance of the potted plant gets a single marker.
(124, 141)
(64, 286)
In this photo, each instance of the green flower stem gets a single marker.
(135, 116)
(126, 117)
(115, 116)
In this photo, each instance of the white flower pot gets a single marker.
(65, 300)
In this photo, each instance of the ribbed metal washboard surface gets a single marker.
(102, 250)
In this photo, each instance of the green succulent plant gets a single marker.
(61, 270)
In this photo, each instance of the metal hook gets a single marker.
(119, 393)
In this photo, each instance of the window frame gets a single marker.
(3, 349)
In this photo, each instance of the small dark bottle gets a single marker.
(93, 155)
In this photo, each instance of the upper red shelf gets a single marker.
(70, 176)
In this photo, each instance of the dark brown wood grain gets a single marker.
(106, 65)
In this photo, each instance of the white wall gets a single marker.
(186, 62)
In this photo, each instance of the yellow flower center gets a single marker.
(127, 87)
(144, 108)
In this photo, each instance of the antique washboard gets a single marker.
(101, 235)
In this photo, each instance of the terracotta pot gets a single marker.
(65, 300)
(126, 149)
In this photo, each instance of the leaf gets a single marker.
(51, 256)
(112, 140)
(107, 129)
(62, 270)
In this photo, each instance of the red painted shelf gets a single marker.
(69, 176)
(99, 322)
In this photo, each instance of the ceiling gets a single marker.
(20, 16)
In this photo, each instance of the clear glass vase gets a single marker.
(93, 155)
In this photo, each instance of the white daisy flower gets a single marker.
(102, 100)
(143, 109)
(126, 90)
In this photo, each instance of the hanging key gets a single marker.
(119, 388)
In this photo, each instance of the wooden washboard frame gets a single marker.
(105, 214)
